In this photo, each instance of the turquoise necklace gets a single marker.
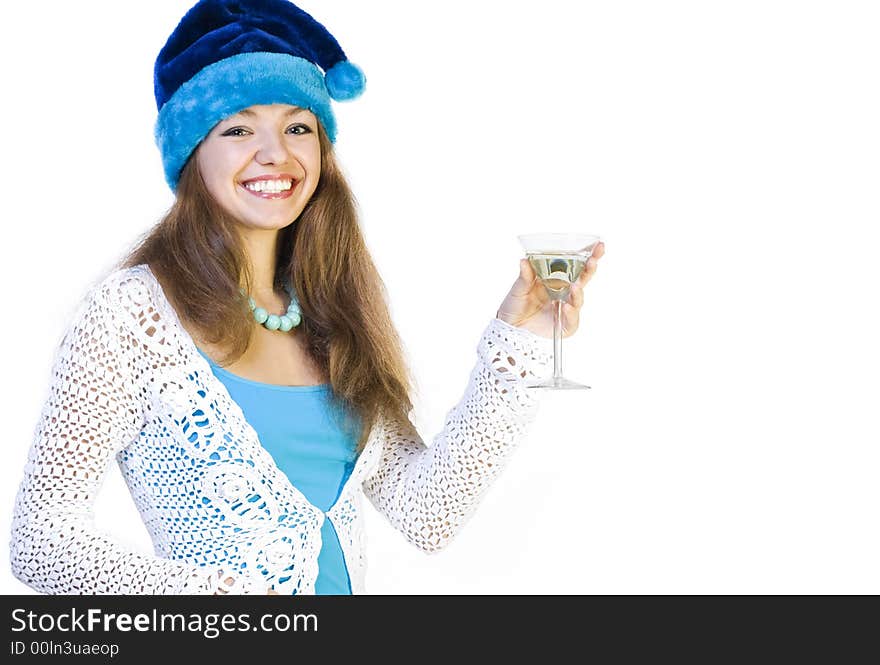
(284, 322)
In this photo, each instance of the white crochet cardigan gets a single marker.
(128, 381)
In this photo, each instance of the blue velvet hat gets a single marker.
(227, 55)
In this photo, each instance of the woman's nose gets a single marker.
(272, 150)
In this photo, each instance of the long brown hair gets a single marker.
(195, 252)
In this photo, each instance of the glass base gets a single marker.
(557, 383)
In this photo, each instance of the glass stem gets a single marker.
(557, 339)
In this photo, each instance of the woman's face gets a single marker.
(245, 156)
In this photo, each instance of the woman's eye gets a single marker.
(303, 129)
(230, 132)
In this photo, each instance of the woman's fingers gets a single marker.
(589, 270)
(576, 299)
(525, 280)
(592, 264)
(577, 287)
(576, 296)
(571, 317)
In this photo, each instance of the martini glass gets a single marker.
(558, 260)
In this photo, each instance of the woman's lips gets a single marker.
(273, 195)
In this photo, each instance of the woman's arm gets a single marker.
(428, 493)
(93, 410)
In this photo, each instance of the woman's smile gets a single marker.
(285, 191)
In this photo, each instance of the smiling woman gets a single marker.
(248, 438)
(240, 161)
(217, 223)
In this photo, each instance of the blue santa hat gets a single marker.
(227, 55)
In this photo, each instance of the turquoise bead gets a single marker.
(252, 303)
(286, 323)
(273, 322)
(295, 318)
(261, 315)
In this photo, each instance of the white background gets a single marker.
(729, 154)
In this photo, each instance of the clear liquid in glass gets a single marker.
(557, 271)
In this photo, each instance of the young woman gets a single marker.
(241, 364)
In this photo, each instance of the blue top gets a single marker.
(294, 424)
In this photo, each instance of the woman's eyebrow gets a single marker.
(251, 114)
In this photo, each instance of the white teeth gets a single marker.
(269, 185)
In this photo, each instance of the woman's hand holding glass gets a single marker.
(528, 305)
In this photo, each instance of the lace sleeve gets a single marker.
(92, 411)
(429, 492)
